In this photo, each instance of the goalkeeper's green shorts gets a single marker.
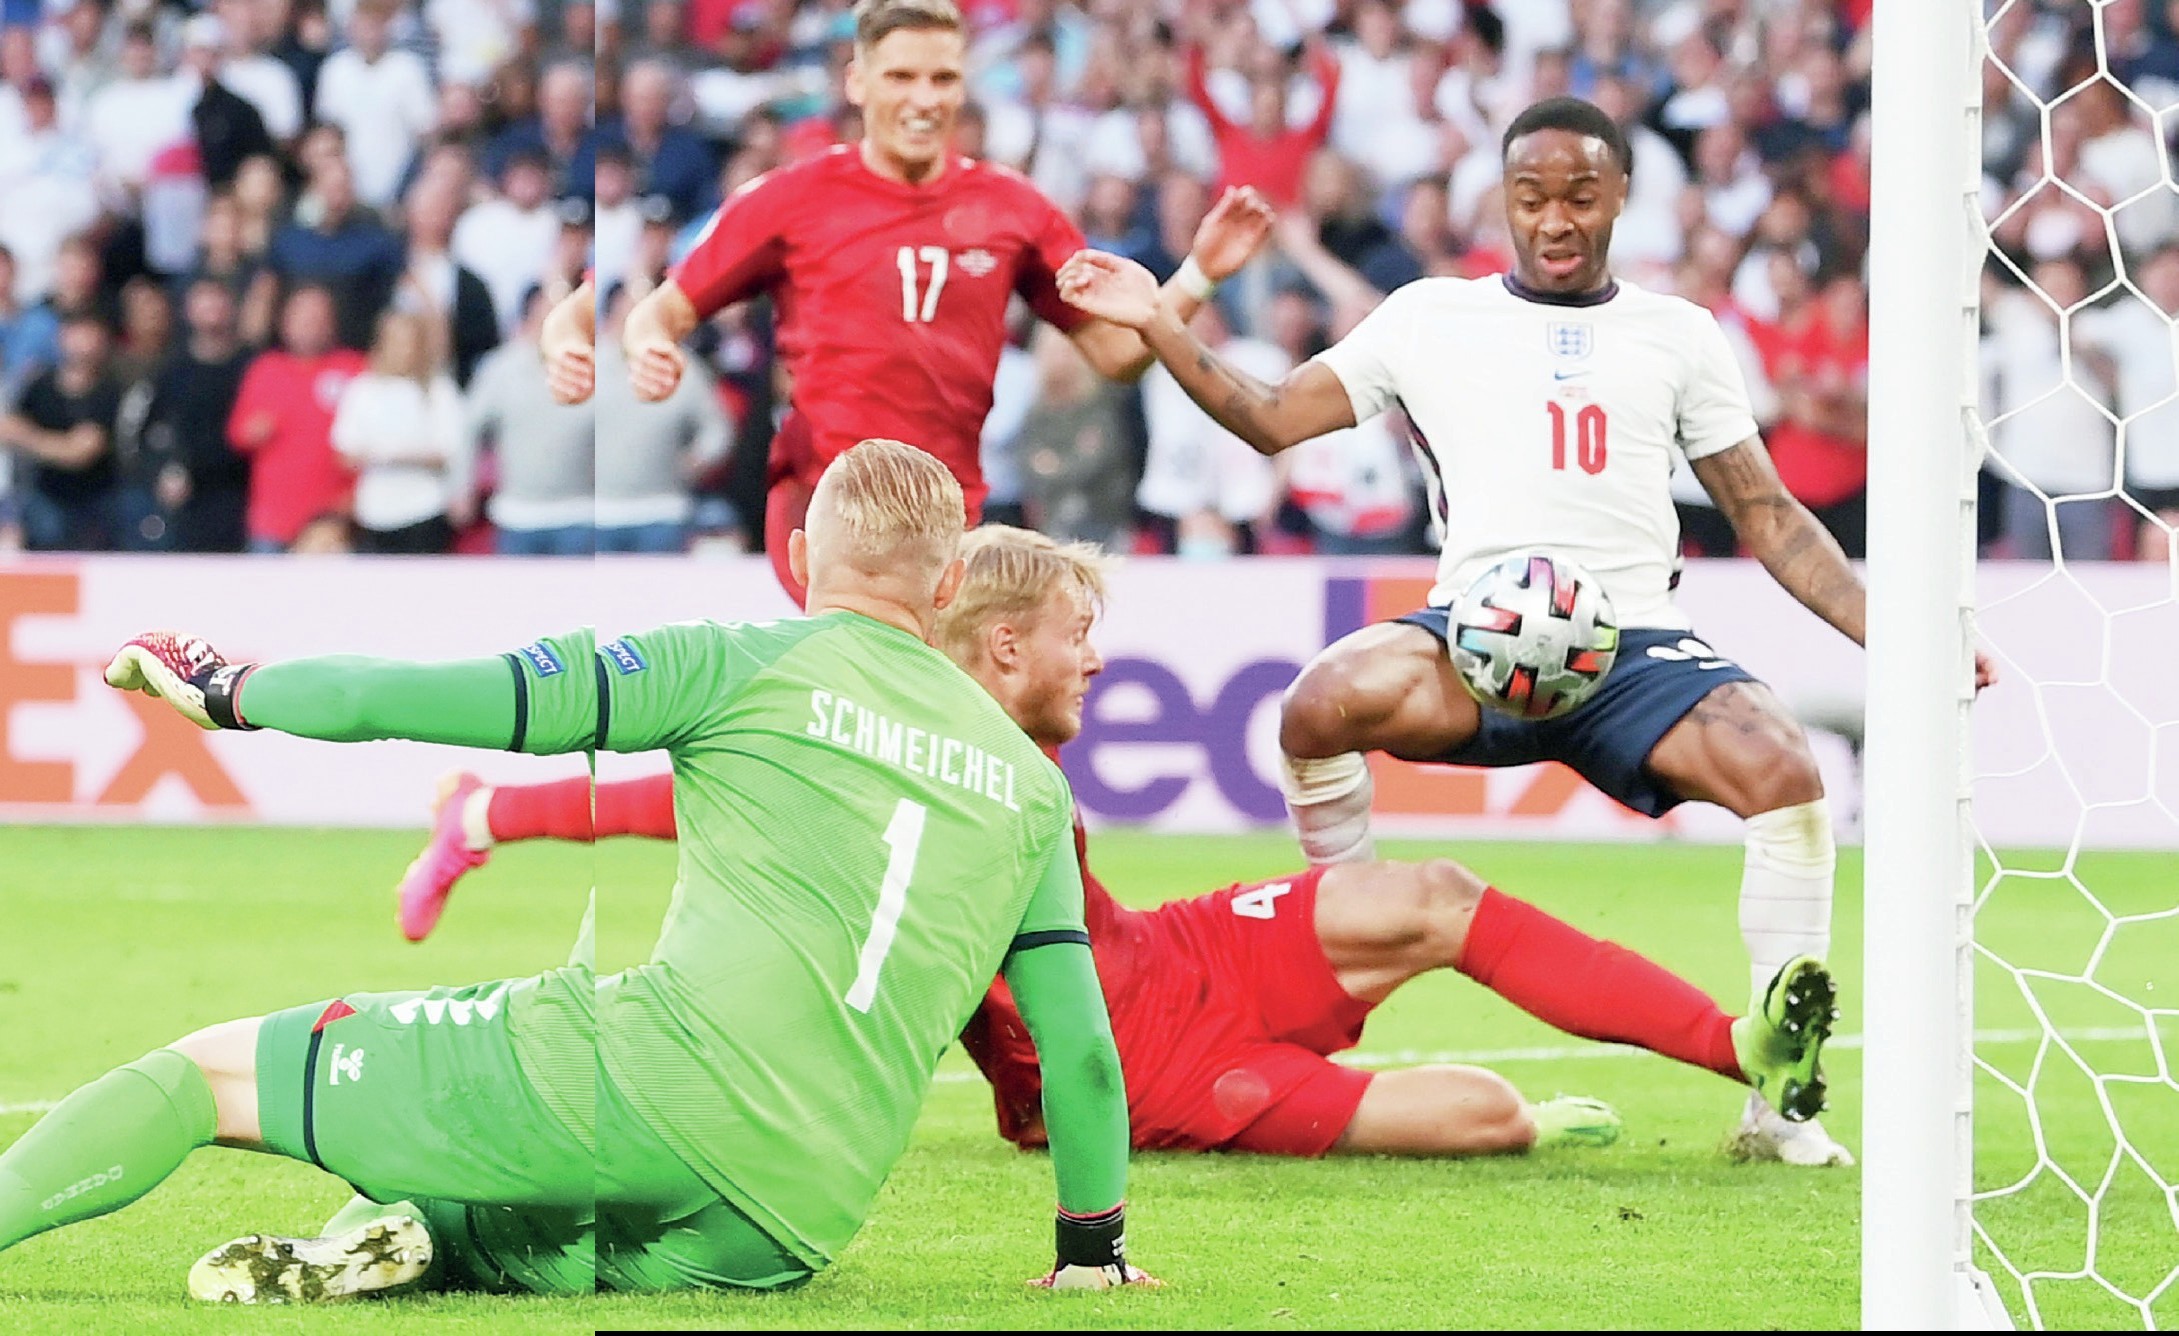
(419, 1097)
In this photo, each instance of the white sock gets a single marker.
(1785, 887)
(1329, 800)
(477, 819)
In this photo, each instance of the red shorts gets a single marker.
(1227, 1047)
(791, 476)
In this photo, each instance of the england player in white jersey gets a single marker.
(1552, 405)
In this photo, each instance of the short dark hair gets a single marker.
(1576, 117)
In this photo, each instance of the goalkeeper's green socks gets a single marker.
(106, 1145)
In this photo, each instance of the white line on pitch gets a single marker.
(1413, 1057)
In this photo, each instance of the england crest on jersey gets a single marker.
(1571, 340)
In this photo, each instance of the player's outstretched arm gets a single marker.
(1054, 982)
(1307, 403)
(541, 699)
(568, 339)
(1800, 554)
(1228, 235)
(651, 337)
(1779, 531)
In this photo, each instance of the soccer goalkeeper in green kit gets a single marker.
(867, 840)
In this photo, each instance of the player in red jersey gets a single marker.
(892, 262)
(1227, 1007)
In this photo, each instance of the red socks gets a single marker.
(561, 810)
(1592, 988)
(637, 807)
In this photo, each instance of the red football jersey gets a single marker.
(891, 297)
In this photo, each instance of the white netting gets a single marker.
(2076, 1183)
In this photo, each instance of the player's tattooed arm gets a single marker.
(1307, 403)
(1800, 554)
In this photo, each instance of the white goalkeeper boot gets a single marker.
(1764, 1135)
(385, 1254)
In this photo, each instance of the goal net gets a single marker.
(2069, 1200)
(2075, 1203)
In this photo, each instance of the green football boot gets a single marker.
(1780, 1041)
(1575, 1120)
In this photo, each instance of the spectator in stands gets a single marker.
(666, 158)
(507, 240)
(61, 430)
(221, 259)
(1265, 150)
(30, 336)
(2132, 338)
(261, 201)
(207, 483)
(303, 36)
(2053, 440)
(1734, 189)
(343, 248)
(559, 130)
(79, 285)
(1039, 132)
(46, 181)
(433, 284)
(476, 37)
(1073, 446)
(399, 426)
(238, 29)
(146, 499)
(283, 422)
(616, 215)
(1820, 445)
(135, 114)
(381, 97)
(659, 451)
(1378, 124)
(1335, 194)
(230, 129)
(147, 330)
(1198, 478)
(542, 503)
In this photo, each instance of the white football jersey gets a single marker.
(1552, 426)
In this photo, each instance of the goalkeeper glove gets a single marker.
(184, 671)
(1093, 1254)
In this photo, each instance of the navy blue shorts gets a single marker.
(1655, 681)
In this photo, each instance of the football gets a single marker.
(1533, 636)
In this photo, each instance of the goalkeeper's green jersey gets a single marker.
(864, 832)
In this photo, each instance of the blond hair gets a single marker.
(1010, 574)
(875, 20)
(389, 326)
(887, 509)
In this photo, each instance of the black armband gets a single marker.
(1093, 1240)
(221, 686)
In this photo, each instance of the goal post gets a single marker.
(1924, 253)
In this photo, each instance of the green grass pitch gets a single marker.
(115, 940)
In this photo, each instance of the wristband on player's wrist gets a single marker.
(1193, 281)
(222, 686)
(1093, 1240)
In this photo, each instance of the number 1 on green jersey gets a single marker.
(904, 836)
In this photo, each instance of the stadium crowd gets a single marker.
(272, 267)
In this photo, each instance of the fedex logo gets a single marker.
(1149, 738)
(1216, 727)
